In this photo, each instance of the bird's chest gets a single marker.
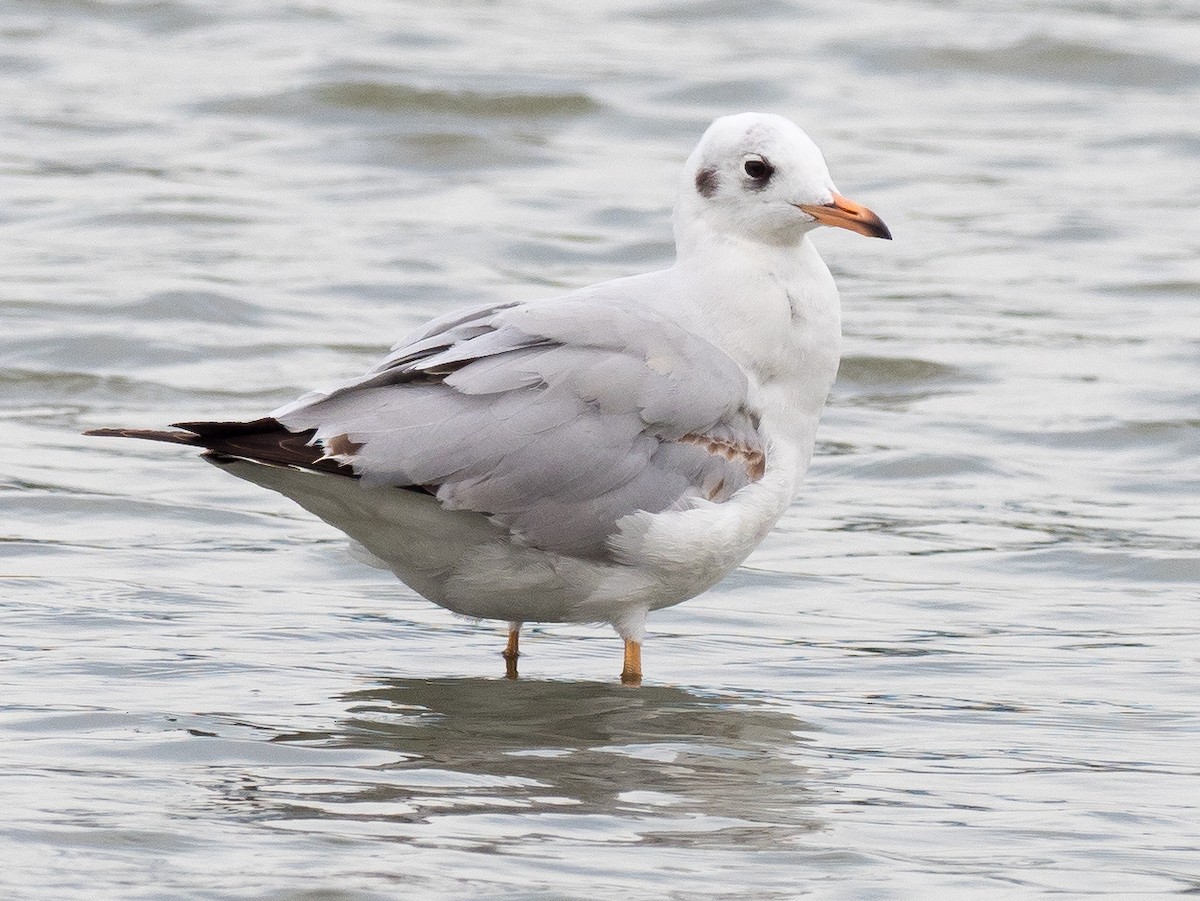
(791, 359)
(791, 338)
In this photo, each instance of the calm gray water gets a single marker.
(965, 666)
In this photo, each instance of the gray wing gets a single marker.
(555, 419)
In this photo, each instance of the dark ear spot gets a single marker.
(706, 182)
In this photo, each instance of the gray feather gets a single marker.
(554, 419)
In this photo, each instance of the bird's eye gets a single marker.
(758, 168)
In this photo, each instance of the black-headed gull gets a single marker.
(602, 454)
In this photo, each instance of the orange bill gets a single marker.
(843, 212)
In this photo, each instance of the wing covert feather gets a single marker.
(555, 419)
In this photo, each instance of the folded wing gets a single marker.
(555, 420)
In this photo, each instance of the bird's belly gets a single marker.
(457, 559)
(463, 562)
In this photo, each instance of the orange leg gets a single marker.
(631, 673)
(511, 653)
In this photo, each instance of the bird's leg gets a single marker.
(510, 651)
(631, 673)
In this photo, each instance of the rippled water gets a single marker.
(964, 666)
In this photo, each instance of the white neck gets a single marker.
(775, 310)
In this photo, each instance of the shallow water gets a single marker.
(964, 665)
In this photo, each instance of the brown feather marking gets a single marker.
(752, 458)
(342, 446)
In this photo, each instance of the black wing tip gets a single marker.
(198, 433)
(145, 434)
(265, 441)
(219, 429)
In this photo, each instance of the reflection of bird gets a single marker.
(598, 455)
(676, 768)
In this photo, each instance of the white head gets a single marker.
(758, 177)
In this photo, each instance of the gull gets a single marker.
(598, 455)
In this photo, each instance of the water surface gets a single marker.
(963, 666)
